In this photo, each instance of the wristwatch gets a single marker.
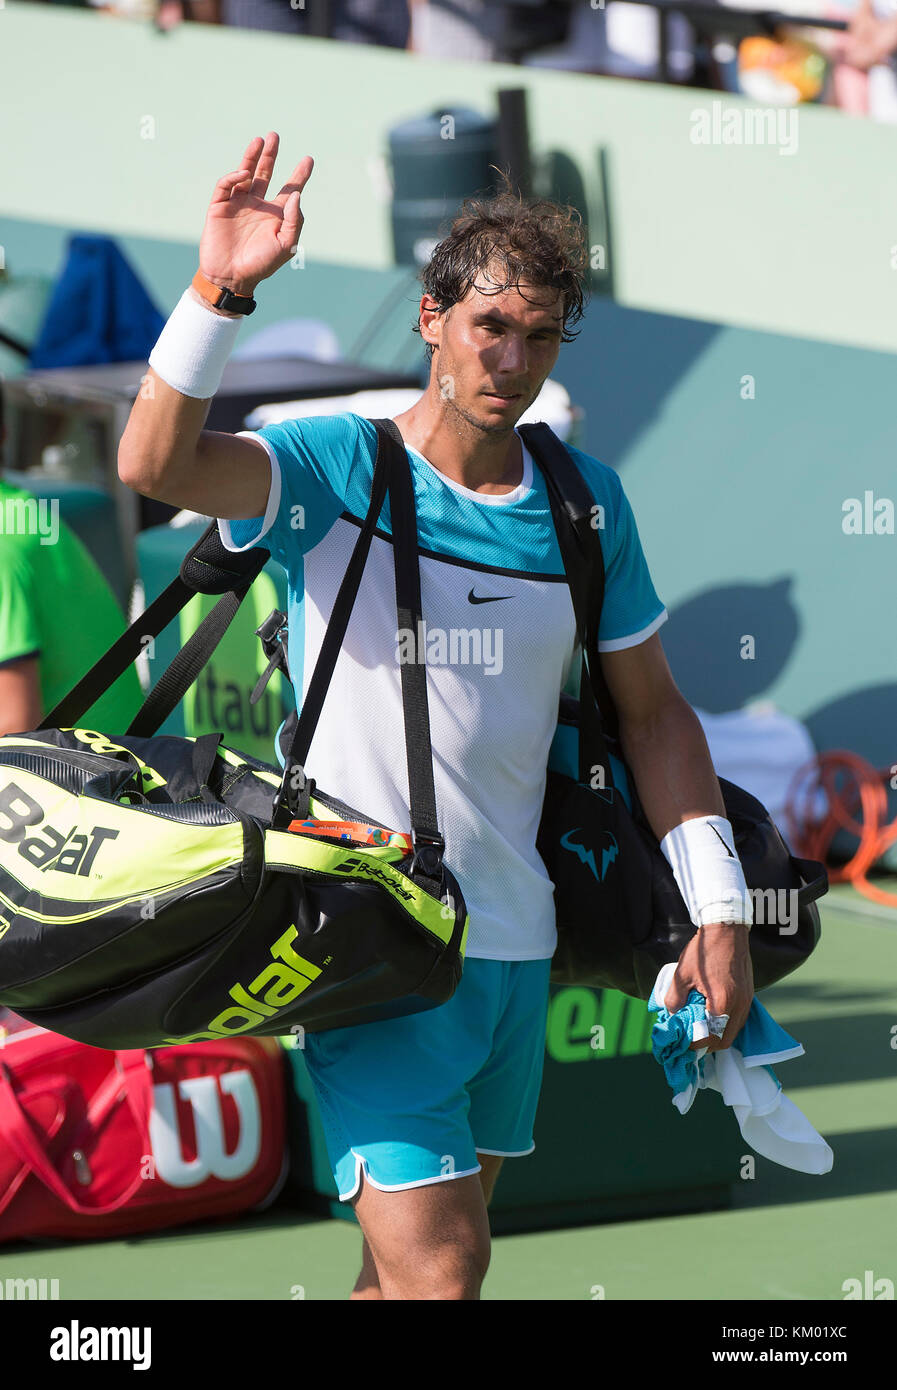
(221, 298)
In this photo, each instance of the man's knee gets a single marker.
(452, 1269)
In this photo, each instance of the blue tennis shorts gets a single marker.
(413, 1100)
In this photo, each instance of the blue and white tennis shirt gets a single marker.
(500, 645)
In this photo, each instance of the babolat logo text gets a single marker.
(278, 985)
(354, 864)
(77, 1343)
(68, 854)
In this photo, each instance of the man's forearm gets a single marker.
(682, 800)
(164, 428)
(162, 433)
(671, 764)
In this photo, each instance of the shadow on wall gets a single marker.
(870, 715)
(621, 370)
(729, 646)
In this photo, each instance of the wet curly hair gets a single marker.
(535, 240)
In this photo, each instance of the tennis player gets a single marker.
(421, 1112)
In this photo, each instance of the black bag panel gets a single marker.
(353, 933)
(603, 888)
(244, 791)
(66, 770)
(79, 769)
(59, 947)
(617, 929)
(772, 957)
(343, 920)
(117, 947)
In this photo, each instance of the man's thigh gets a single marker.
(368, 1283)
(430, 1241)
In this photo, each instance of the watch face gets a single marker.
(237, 303)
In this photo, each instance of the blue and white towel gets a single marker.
(769, 1122)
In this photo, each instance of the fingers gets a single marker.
(265, 166)
(226, 185)
(675, 997)
(297, 180)
(252, 153)
(288, 235)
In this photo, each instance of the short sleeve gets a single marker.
(312, 462)
(631, 611)
(19, 631)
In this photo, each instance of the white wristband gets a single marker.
(193, 348)
(701, 853)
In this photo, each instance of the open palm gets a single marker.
(248, 236)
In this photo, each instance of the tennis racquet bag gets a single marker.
(620, 915)
(96, 1143)
(152, 890)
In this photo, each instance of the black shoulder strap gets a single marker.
(428, 843)
(574, 512)
(392, 474)
(207, 568)
(294, 785)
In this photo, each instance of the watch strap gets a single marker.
(220, 297)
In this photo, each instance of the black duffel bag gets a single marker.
(620, 914)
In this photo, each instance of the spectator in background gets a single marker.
(125, 9)
(165, 13)
(383, 22)
(869, 47)
(58, 616)
(863, 73)
(171, 12)
(460, 30)
(487, 30)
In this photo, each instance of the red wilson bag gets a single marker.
(96, 1143)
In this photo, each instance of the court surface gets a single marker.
(787, 1236)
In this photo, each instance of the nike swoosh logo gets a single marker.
(722, 841)
(489, 598)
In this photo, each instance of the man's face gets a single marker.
(493, 351)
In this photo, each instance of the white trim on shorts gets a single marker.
(360, 1161)
(506, 1153)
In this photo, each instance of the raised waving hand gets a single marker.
(247, 235)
